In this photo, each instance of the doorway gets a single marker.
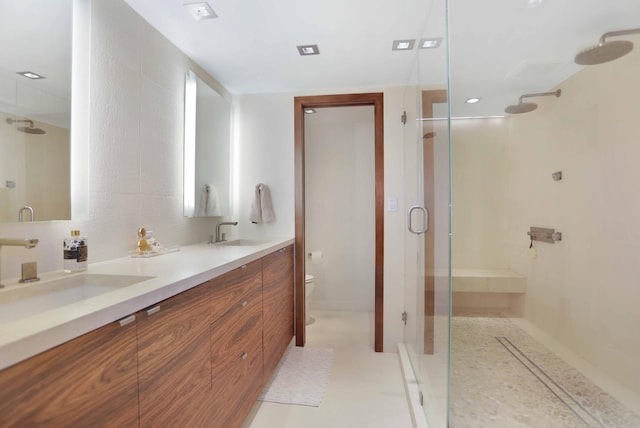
(343, 100)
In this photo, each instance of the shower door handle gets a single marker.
(425, 225)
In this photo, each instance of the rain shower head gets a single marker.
(523, 107)
(31, 129)
(607, 51)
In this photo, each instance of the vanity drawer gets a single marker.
(230, 334)
(237, 359)
(238, 385)
(233, 288)
(232, 364)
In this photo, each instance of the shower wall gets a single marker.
(38, 164)
(479, 216)
(583, 291)
(339, 206)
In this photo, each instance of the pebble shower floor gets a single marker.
(502, 377)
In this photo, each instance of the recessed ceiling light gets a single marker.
(200, 11)
(430, 43)
(472, 100)
(30, 75)
(309, 110)
(403, 45)
(308, 50)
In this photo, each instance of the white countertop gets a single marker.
(172, 274)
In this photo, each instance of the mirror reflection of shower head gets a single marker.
(31, 129)
(607, 51)
(523, 107)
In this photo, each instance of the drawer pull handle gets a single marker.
(153, 310)
(244, 355)
(282, 250)
(127, 320)
(243, 304)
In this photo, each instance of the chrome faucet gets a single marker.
(27, 243)
(22, 210)
(220, 236)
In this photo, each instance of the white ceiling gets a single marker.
(36, 37)
(251, 47)
(500, 49)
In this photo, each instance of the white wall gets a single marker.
(583, 291)
(47, 166)
(264, 151)
(480, 219)
(265, 142)
(135, 146)
(340, 206)
(38, 164)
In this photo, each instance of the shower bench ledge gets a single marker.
(487, 281)
(488, 292)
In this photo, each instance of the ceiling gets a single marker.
(41, 43)
(500, 49)
(251, 47)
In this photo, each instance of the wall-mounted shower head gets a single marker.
(31, 129)
(523, 107)
(607, 51)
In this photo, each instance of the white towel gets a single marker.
(261, 206)
(209, 202)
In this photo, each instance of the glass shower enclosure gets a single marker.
(521, 240)
(427, 184)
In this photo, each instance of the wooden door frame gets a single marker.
(342, 100)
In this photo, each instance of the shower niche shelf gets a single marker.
(543, 234)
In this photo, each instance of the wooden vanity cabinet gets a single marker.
(90, 381)
(277, 303)
(236, 344)
(174, 365)
(198, 359)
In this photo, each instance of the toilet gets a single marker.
(308, 285)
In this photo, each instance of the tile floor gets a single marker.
(490, 387)
(365, 388)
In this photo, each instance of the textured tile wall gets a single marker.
(135, 146)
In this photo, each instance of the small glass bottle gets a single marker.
(75, 252)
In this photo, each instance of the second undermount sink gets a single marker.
(242, 242)
(22, 301)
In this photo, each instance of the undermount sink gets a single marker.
(243, 242)
(26, 300)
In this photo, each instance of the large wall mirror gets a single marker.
(207, 150)
(35, 113)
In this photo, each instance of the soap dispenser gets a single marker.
(75, 252)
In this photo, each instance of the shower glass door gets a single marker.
(427, 198)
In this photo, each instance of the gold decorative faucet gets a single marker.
(27, 243)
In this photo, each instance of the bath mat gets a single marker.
(300, 378)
